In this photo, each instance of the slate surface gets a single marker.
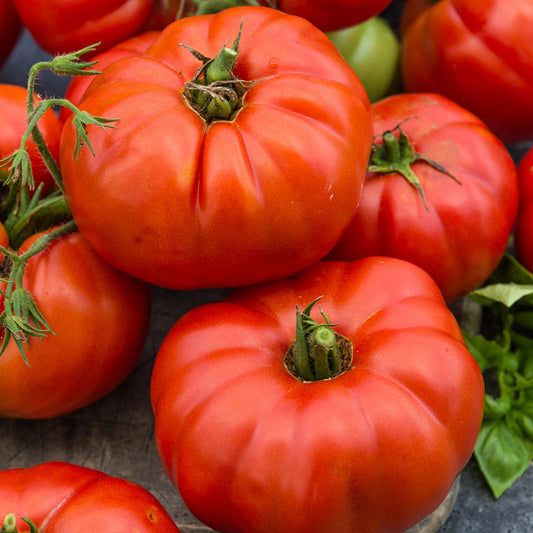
(116, 433)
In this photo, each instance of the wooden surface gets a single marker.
(116, 433)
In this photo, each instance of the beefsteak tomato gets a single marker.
(524, 224)
(10, 28)
(183, 198)
(254, 447)
(60, 497)
(62, 26)
(100, 319)
(330, 15)
(479, 54)
(13, 124)
(455, 227)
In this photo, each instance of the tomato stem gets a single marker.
(396, 155)
(21, 318)
(316, 352)
(215, 93)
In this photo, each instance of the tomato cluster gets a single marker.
(348, 187)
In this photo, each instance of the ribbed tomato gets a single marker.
(369, 439)
(60, 497)
(222, 178)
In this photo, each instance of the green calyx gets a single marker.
(10, 524)
(396, 154)
(215, 93)
(318, 352)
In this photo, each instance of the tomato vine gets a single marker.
(26, 210)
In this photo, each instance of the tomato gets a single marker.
(524, 224)
(60, 497)
(61, 26)
(457, 227)
(130, 47)
(375, 447)
(13, 124)
(411, 10)
(100, 320)
(372, 49)
(184, 200)
(330, 15)
(10, 28)
(479, 54)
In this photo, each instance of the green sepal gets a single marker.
(396, 155)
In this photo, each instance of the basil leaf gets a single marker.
(487, 353)
(511, 270)
(503, 456)
(505, 293)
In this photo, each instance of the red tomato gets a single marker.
(479, 54)
(9, 28)
(524, 223)
(462, 235)
(131, 47)
(329, 15)
(100, 319)
(411, 10)
(186, 201)
(61, 26)
(13, 124)
(375, 448)
(61, 497)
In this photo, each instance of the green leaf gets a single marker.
(503, 456)
(488, 354)
(505, 293)
(511, 270)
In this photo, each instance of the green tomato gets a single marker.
(372, 49)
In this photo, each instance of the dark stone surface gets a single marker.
(116, 433)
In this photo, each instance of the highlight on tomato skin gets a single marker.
(271, 451)
(68, 497)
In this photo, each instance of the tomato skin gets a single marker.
(62, 26)
(477, 53)
(60, 497)
(238, 202)
(330, 15)
(365, 45)
(96, 344)
(463, 234)
(523, 240)
(130, 47)
(10, 29)
(13, 124)
(252, 449)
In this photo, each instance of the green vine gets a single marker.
(26, 210)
